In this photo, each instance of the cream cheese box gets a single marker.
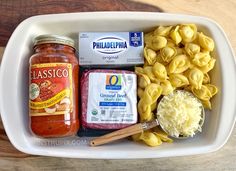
(111, 48)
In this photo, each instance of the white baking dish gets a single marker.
(14, 86)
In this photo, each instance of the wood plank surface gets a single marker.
(14, 11)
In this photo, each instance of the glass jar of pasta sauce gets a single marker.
(53, 87)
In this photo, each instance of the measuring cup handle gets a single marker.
(116, 135)
(122, 133)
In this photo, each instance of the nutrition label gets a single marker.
(112, 98)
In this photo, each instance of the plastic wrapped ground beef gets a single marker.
(109, 99)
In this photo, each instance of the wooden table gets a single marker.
(14, 11)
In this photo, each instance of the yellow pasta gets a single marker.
(159, 71)
(179, 64)
(176, 57)
(170, 42)
(153, 106)
(188, 32)
(209, 66)
(162, 135)
(144, 110)
(203, 93)
(206, 104)
(150, 56)
(201, 59)
(140, 92)
(148, 38)
(160, 60)
(136, 137)
(168, 53)
(188, 88)
(150, 139)
(192, 49)
(143, 81)
(147, 98)
(195, 77)
(148, 71)
(153, 90)
(178, 80)
(146, 64)
(206, 42)
(162, 30)
(213, 89)
(206, 78)
(139, 70)
(167, 88)
(175, 35)
(158, 42)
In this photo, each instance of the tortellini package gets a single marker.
(176, 57)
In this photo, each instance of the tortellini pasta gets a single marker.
(175, 35)
(162, 31)
(148, 38)
(144, 111)
(163, 136)
(136, 137)
(178, 80)
(148, 71)
(140, 92)
(150, 56)
(188, 32)
(175, 57)
(153, 106)
(209, 66)
(154, 91)
(206, 42)
(158, 42)
(159, 71)
(167, 87)
(203, 93)
(160, 60)
(146, 104)
(139, 70)
(206, 104)
(150, 138)
(213, 89)
(143, 81)
(195, 77)
(201, 59)
(168, 53)
(170, 42)
(206, 78)
(179, 64)
(192, 49)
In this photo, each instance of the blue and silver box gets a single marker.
(111, 48)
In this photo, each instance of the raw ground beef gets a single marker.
(84, 82)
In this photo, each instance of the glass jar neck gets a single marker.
(53, 47)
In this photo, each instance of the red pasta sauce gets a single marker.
(53, 87)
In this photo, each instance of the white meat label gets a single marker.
(112, 98)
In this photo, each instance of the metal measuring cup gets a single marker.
(140, 127)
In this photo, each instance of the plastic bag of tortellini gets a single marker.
(176, 57)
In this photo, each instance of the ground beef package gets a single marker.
(108, 99)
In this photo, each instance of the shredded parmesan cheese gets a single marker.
(180, 114)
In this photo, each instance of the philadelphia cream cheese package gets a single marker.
(111, 48)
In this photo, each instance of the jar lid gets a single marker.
(52, 38)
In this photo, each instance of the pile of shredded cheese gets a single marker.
(180, 114)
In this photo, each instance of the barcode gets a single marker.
(103, 112)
